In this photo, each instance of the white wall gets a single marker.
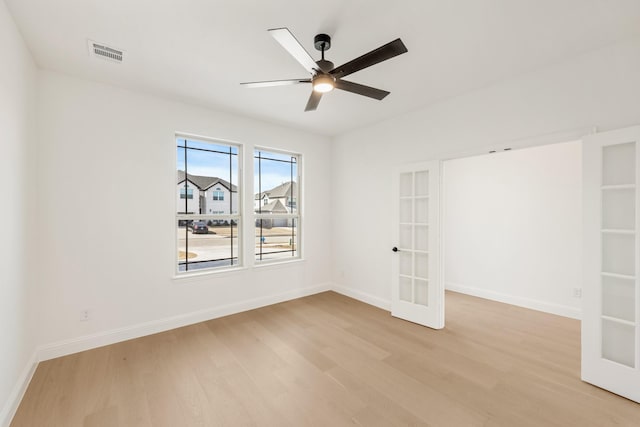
(117, 262)
(555, 104)
(512, 226)
(17, 113)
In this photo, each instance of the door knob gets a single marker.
(394, 249)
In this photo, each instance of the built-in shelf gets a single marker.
(618, 231)
(619, 187)
(620, 321)
(618, 276)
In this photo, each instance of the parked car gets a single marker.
(199, 227)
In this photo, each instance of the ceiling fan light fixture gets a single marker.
(323, 83)
(324, 76)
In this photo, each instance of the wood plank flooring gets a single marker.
(328, 360)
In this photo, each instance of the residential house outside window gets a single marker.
(276, 205)
(208, 214)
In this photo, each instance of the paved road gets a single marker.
(208, 247)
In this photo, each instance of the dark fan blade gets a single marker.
(276, 83)
(380, 54)
(295, 49)
(313, 102)
(371, 92)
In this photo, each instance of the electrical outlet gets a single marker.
(84, 315)
(577, 292)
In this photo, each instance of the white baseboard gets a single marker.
(363, 296)
(12, 403)
(87, 342)
(560, 310)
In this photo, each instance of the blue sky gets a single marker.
(217, 164)
(273, 173)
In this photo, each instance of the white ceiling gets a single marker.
(199, 51)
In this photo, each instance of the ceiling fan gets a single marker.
(324, 76)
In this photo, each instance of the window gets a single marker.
(218, 194)
(277, 213)
(186, 193)
(207, 234)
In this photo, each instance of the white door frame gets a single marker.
(535, 141)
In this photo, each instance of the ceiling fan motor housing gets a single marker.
(322, 42)
(325, 65)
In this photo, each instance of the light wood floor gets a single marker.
(328, 360)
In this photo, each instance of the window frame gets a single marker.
(297, 217)
(238, 251)
(184, 193)
(215, 193)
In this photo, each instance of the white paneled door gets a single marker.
(418, 294)
(611, 302)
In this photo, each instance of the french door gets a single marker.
(611, 267)
(417, 292)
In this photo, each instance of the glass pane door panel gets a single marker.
(618, 164)
(405, 289)
(406, 233)
(406, 206)
(421, 268)
(422, 183)
(406, 258)
(619, 298)
(422, 211)
(421, 235)
(406, 184)
(618, 254)
(619, 209)
(618, 342)
(421, 289)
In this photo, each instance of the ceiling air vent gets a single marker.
(102, 51)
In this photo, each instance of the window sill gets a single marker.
(277, 263)
(185, 277)
(264, 265)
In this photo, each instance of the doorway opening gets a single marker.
(512, 229)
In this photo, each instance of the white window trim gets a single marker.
(238, 217)
(299, 216)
